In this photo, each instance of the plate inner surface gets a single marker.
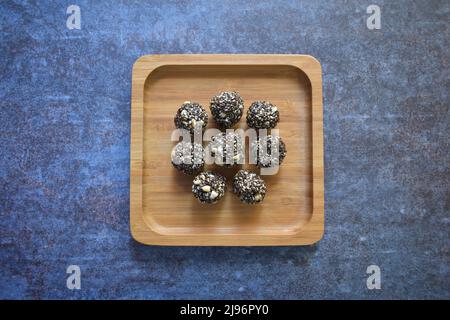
(168, 204)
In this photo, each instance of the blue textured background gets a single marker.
(65, 131)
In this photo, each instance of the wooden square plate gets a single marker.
(163, 210)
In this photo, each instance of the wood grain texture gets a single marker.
(162, 208)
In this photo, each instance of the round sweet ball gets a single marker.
(227, 149)
(209, 187)
(262, 115)
(191, 115)
(188, 157)
(249, 187)
(227, 108)
(265, 149)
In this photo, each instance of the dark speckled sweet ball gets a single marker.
(249, 187)
(227, 108)
(209, 187)
(263, 148)
(262, 115)
(190, 115)
(227, 148)
(188, 157)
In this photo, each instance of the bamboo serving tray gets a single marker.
(163, 210)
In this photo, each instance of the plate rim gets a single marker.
(309, 233)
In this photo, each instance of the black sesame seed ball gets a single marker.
(263, 148)
(249, 187)
(209, 187)
(227, 149)
(262, 115)
(188, 157)
(227, 108)
(190, 115)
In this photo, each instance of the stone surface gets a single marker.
(65, 132)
